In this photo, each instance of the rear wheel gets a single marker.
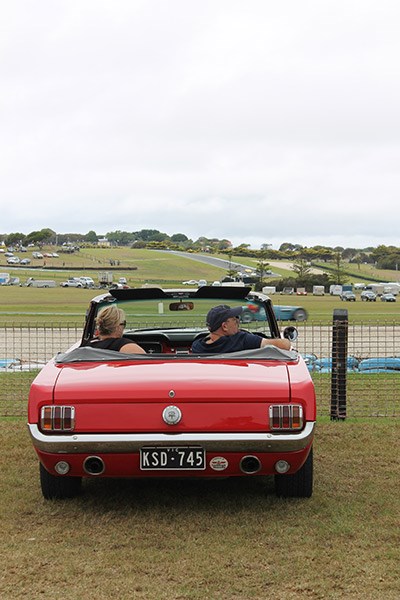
(298, 485)
(246, 317)
(58, 487)
(300, 315)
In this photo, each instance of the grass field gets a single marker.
(226, 540)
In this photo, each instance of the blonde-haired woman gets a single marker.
(110, 325)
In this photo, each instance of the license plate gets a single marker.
(188, 458)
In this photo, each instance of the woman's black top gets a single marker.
(111, 343)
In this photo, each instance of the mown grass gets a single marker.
(188, 540)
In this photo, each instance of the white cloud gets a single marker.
(256, 121)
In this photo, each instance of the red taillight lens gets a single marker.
(274, 416)
(286, 416)
(57, 418)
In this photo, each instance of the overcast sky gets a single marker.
(253, 120)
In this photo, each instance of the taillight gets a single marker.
(57, 418)
(286, 416)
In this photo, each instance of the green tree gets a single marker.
(338, 275)
(302, 268)
(150, 235)
(121, 238)
(91, 237)
(14, 238)
(262, 268)
(44, 236)
(177, 238)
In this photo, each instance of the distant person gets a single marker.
(110, 325)
(225, 335)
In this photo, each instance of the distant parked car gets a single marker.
(87, 282)
(368, 296)
(25, 261)
(12, 260)
(388, 298)
(201, 282)
(190, 282)
(287, 290)
(8, 253)
(348, 297)
(37, 255)
(72, 282)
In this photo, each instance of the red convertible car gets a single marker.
(171, 412)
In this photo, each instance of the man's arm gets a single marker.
(281, 343)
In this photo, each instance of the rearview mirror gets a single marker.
(181, 306)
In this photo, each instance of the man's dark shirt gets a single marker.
(242, 340)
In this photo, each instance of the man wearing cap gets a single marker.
(225, 335)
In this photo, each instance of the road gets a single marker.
(216, 262)
(226, 264)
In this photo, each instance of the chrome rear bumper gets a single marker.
(132, 442)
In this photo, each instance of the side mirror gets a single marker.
(290, 333)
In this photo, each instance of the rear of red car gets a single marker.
(176, 417)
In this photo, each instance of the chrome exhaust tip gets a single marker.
(93, 465)
(250, 465)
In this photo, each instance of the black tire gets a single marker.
(300, 315)
(59, 487)
(246, 317)
(298, 485)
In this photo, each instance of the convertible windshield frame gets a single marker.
(195, 303)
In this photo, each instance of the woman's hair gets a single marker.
(109, 318)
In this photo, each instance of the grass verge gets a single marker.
(188, 540)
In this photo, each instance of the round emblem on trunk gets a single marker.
(171, 415)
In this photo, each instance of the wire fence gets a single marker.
(371, 375)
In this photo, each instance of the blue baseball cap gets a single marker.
(219, 314)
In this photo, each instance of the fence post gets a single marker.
(339, 364)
